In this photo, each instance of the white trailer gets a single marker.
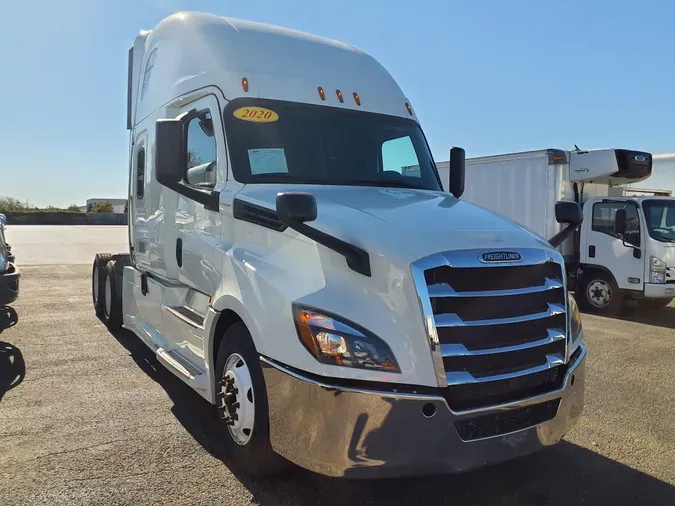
(604, 264)
(341, 311)
(645, 192)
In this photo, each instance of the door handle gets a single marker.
(591, 251)
(179, 252)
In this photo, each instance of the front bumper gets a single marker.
(659, 291)
(369, 434)
(9, 284)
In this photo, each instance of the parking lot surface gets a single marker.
(88, 417)
(65, 245)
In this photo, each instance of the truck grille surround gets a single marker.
(497, 330)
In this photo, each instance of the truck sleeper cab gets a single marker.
(294, 259)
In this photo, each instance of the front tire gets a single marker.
(111, 297)
(97, 275)
(600, 293)
(241, 401)
(652, 304)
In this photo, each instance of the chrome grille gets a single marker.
(489, 324)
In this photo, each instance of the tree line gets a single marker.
(12, 205)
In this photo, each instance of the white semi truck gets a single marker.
(339, 313)
(626, 245)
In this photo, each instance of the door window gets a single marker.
(604, 219)
(201, 167)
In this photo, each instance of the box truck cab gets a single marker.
(340, 311)
(625, 245)
(632, 242)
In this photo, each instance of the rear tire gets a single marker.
(599, 293)
(241, 400)
(112, 297)
(97, 275)
(652, 304)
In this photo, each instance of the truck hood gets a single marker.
(392, 221)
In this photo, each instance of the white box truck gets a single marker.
(340, 313)
(606, 263)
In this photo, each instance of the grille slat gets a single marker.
(493, 278)
(495, 336)
(497, 363)
(456, 350)
(445, 290)
(485, 308)
(453, 320)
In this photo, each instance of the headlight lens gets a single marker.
(658, 277)
(335, 342)
(656, 264)
(3, 263)
(576, 333)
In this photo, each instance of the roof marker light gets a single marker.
(357, 99)
(407, 106)
(339, 96)
(322, 94)
(244, 84)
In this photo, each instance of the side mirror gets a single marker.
(171, 160)
(296, 207)
(570, 212)
(620, 222)
(457, 168)
(169, 152)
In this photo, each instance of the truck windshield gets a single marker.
(272, 141)
(660, 217)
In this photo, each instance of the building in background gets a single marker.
(118, 204)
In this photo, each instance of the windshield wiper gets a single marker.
(663, 238)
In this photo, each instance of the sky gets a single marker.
(490, 76)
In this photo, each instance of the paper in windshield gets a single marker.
(267, 161)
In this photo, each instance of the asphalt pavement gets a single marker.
(65, 245)
(88, 417)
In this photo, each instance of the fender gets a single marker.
(225, 303)
(602, 268)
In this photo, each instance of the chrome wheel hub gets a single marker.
(237, 400)
(599, 293)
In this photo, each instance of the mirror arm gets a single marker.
(358, 259)
(560, 237)
(210, 199)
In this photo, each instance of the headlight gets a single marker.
(576, 333)
(656, 264)
(658, 277)
(335, 342)
(3, 263)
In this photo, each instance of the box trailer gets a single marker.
(605, 263)
(340, 311)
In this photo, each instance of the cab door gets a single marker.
(622, 257)
(197, 229)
